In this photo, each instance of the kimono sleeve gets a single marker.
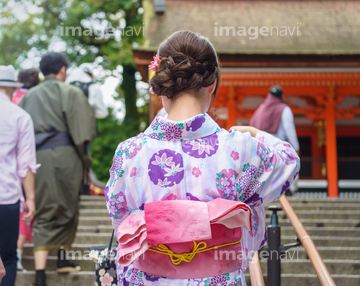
(272, 168)
(81, 122)
(115, 196)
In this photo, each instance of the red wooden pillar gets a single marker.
(231, 107)
(331, 149)
(316, 155)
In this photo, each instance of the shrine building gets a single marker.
(310, 48)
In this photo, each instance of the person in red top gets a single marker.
(29, 78)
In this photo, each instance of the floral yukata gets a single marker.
(197, 160)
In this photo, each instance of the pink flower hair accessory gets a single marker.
(155, 63)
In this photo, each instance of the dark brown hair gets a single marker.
(188, 62)
(29, 77)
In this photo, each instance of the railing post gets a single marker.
(274, 245)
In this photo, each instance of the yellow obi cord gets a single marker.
(176, 258)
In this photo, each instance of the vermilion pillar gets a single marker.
(317, 154)
(231, 107)
(331, 150)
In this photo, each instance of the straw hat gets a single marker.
(8, 77)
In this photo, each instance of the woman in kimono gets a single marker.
(187, 156)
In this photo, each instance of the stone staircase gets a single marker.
(334, 225)
(94, 229)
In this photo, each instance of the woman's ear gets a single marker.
(213, 86)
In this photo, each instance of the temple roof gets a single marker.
(260, 27)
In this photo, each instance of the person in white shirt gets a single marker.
(83, 77)
(17, 172)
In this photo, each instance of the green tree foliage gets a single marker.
(111, 133)
(101, 30)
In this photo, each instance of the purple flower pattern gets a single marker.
(132, 146)
(218, 281)
(173, 132)
(196, 123)
(116, 166)
(117, 206)
(135, 277)
(191, 197)
(287, 156)
(266, 155)
(249, 187)
(201, 148)
(166, 168)
(254, 222)
(225, 184)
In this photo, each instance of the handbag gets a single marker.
(105, 263)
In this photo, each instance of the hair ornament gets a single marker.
(155, 63)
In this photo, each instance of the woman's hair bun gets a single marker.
(188, 62)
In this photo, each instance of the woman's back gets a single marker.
(187, 156)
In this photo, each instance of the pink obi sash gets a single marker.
(184, 239)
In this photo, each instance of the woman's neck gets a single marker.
(184, 106)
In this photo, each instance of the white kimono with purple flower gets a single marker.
(197, 160)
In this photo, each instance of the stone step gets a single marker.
(299, 266)
(320, 215)
(298, 206)
(288, 265)
(302, 214)
(320, 223)
(86, 263)
(327, 241)
(324, 231)
(94, 221)
(318, 241)
(105, 221)
(93, 205)
(311, 279)
(93, 213)
(101, 204)
(302, 200)
(285, 230)
(82, 278)
(333, 252)
(107, 228)
(85, 278)
(91, 198)
(78, 250)
(104, 237)
(326, 252)
(306, 200)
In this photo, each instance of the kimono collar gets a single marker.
(199, 126)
